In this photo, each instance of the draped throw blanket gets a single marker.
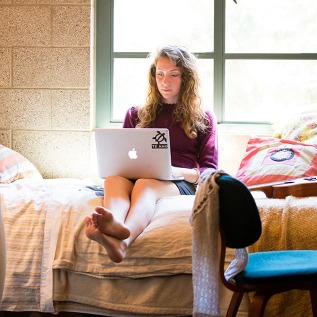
(206, 248)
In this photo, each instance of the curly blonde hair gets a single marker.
(188, 109)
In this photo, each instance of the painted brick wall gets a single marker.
(46, 106)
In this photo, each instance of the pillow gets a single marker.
(15, 166)
(301, 128)
(270, 159)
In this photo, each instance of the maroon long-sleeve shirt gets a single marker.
(201, 152)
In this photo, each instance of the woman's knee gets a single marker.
(145, 183)
(112, 179)
(115, 181)
(156, 187)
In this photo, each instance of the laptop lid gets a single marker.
(134, 153)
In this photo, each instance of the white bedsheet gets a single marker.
(46, 245)
(164, 248)
(46, 232)
(32, 212)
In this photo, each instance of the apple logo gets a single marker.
(133, 154)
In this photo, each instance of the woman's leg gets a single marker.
(116, 206)
(113, 213)
(144, 196)
(117, 195)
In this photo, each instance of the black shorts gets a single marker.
(185, 188)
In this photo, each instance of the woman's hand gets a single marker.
(190, 174)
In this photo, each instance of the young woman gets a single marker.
(173, 102)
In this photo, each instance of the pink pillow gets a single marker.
(15, 166)
(268, 160)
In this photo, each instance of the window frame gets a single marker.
(105, 57)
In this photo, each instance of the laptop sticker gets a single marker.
(161, 141)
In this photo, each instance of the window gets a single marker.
(270, 59)
(257, 58)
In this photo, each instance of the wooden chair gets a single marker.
(267, 273)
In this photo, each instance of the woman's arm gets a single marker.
(131, 118)
(208, 153)
(190, 175)
(208, 146)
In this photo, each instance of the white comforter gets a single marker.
(52, 266)
(45, 233)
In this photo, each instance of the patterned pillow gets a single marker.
(15, 166)
(270, 159)
(302, 128)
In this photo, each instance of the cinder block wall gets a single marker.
(46, 106)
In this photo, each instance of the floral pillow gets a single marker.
(302, 128)
(268, 160)
(15, 166)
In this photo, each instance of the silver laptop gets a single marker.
(134, 153)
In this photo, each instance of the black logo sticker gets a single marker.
(161, 141)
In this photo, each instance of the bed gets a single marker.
(52, 267)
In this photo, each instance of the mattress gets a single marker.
(52, 266)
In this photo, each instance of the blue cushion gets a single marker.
(280, 266)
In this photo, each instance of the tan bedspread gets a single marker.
(45, 233)
(164, 248)
(32, 212)
(288, 224)
(46, 244)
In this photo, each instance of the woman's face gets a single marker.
(168, 79)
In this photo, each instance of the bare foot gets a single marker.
(115, 248)
(104, 220)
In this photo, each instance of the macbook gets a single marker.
(134, 153)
